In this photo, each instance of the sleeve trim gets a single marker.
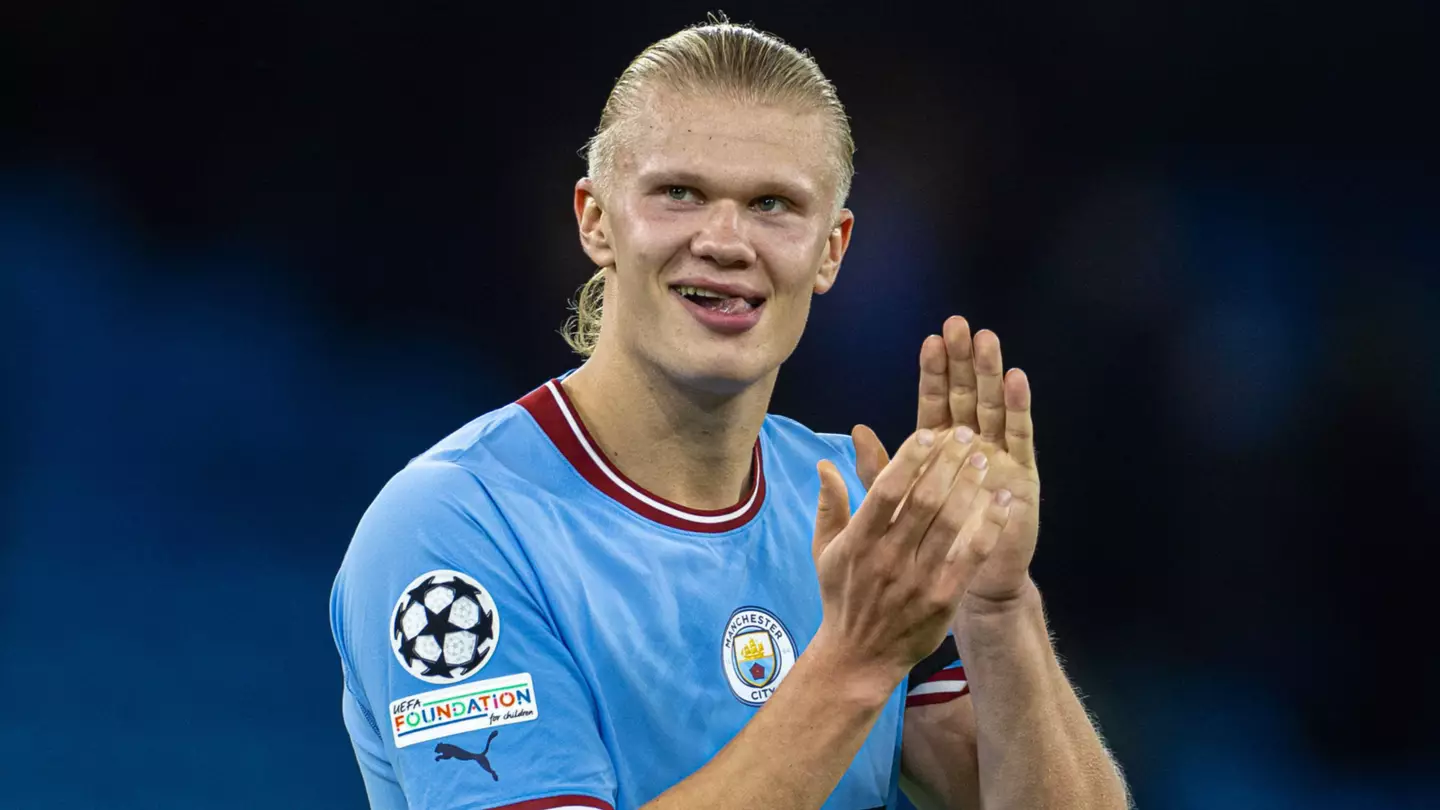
(943, 676)
(934, 698)
(573, 801)
(944, 656)
(943, 686)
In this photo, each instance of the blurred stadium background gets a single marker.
(253, 257)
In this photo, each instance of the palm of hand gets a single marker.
(962, 384)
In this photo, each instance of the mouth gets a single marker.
(725, 302)
(723, 309)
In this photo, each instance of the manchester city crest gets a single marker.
(756, 653)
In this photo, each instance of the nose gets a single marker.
(721, 238)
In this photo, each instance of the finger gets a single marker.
(974, 520)
(959, 509)
(961, 368)
(932, 492)
(833, 512)
(933, 410)
(893, 483)
(990, 408)
(983, 533)
(1019, 430)
(870, 455)
(974, 544)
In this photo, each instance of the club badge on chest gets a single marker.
(756, 653)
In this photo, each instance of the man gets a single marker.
(602, 595)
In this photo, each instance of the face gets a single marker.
(717, 227)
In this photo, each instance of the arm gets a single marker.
(796, 748)
(938, 764)
(1021, 739)
(1049, 754)
(1036, 744)
(515, 726)
(889, 581)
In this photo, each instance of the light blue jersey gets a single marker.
(523, 627)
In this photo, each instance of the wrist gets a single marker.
(985, 610)
(1003, 637)
(860, 683)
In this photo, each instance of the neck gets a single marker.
(689, 446)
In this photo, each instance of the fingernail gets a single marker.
(978, 461)
(964, 434)
(1002, 498)
(926, 437)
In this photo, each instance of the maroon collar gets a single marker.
(556, 415)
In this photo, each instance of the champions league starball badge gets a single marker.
(756, 654)
(444, 628)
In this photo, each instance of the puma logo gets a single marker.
(448, 751)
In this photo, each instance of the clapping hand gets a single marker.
(963, 386)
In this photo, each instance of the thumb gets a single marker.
(870, 455)
(832, 514)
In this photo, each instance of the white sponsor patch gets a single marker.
(468, 707)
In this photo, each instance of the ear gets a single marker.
(835, 246)
(594, 226)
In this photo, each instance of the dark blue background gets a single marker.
(254, 258)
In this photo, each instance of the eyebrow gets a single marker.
(798, 192)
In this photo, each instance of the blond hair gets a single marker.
(715, 58)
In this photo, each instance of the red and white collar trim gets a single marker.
(553, 411)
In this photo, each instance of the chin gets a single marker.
(721, 369)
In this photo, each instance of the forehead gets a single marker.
(728, 142)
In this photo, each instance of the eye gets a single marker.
(771, 204)
(679, 193)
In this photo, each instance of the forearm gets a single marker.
(1036, 745)
(793, 752)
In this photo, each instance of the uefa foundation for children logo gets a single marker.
(445, 627)
(756, 653)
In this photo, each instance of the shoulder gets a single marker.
(474, 444)
(437, 517)
(501, 455)
(789, 437)
(443, 504)
(450, 477)
(793, 450)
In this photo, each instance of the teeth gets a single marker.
(683, 290)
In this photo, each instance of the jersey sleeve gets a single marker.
(940, 677)
(460, 694)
